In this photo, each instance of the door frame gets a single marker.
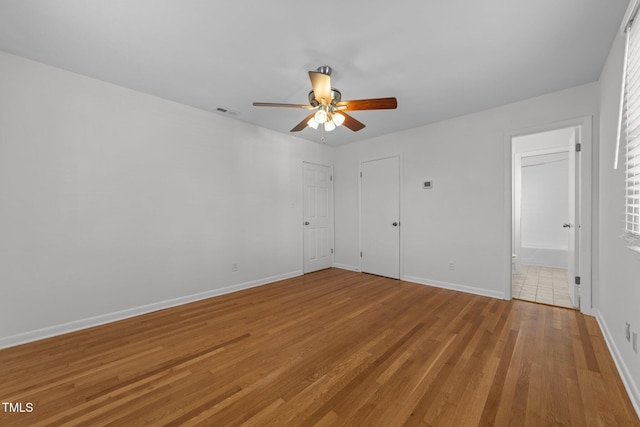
(585, 123)
(400, 210)
(331, 213)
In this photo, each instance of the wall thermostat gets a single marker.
(427, 185)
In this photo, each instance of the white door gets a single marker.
(317, 217)
(574, 218)
(380, 217)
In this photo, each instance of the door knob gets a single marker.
(395, 224)
(566, 225)
(306, 223)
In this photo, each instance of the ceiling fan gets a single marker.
(330, 110)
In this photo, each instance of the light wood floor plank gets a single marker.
(329, 348)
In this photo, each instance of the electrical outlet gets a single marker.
(627, 331)
(234, 267)
(634, 341)
(452, 265)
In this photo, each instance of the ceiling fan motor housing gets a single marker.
(336, 96)
(324, 69)
(330, 109)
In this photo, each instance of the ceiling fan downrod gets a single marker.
(324, 69)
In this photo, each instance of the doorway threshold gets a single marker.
(546, 285)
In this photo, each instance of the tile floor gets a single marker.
(546, 285)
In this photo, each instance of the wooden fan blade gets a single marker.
(368, 104)
(302, 124)
(351, 123)
(321, 84)
(271, 104)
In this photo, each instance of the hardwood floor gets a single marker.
(329, 348)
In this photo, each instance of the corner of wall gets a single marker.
(627, 379)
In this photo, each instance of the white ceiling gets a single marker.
(441, 59)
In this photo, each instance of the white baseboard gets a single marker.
(102, 319)
(627, 379)
(454, 287)
(346, 267)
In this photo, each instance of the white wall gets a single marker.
(113, 202)
(618, 279)
(465, 217)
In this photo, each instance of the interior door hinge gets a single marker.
(578, 147)
(330, 177)
(577, 281)
(331, 250)
(360, 254)
(360, 174)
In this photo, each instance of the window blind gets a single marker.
(631, 126)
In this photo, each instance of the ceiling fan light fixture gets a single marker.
(320, 116)
(329, 126)
(312, 123)
(338, 119)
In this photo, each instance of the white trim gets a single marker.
(76, 325)
(627, 379)
(346, 267)
(585, 123)
(632, 242)
(631, 10)
(623, 84)
(454, 287)
(634, 248)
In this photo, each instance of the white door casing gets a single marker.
(584, 202)
(573, 205)
(380, 217)
(573, 255)
(317, 217)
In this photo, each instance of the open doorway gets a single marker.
(545, 217)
